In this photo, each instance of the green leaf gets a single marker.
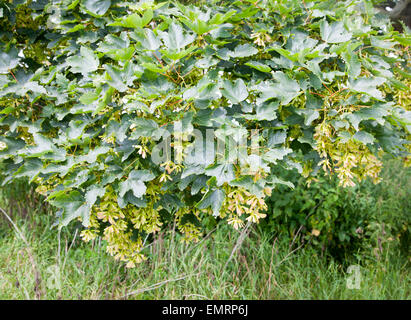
(248, 183)
(143, 175)
(276, 154)
(309, 114)
(97, 7)
(148, 39)
(264, 111)
(147, 17)
(382, 42)
(213, 199)
(285, 89)
(224, 172)
(143, 128)
(198, 26)
(11, 146)
(243, 50)
(334, 32)
(135, 183)
(135, 20)
(175, 38)
(258, 66)
(221, 18)
(111, 43)
(92, 155)
(177, 55)
(352, 62)
(155, 68)
(235, 91)
(72, 204)
(363, 137)
(276, 137)
(120, 79)
(75, 129)
(377, 113)
(367, 86)
(404, 39)
(8, 60)
(89, 97)
(275, 180)
(31, 168)
(84, 63)
(42, 146)
(136, 186)
(94, 192)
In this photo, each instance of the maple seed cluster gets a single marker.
(351, 160)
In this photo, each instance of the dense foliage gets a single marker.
(338, 221)
(94, 92)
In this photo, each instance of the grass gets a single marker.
(262, 269)
(50, 264)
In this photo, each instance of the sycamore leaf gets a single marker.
(198, 26)
(367, 86)
(353, 63)
(224, 172)
(235, 91)
(120, 79)
(72, 204)
(84, 63)
(94, 192)
(285, 89)
(97, 7)
(213, 199)
(148, 39)
(276, 137)
(175, 38)
(135, 20)
(377, 113)
(43, 145)
(8, 60)
(334, 32)
(275, 180)
(243, 50)
(276, 154)
(135, 183)
(248, 183)
(258, 66)
(88, 97)
(92, 155)
(31, 168)
(136, 186)
(363, 137)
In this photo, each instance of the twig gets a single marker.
(290, 253)
(71, 244)
(59, 246)
(295, 236)
(14, 76)
(239, 242)
(172, 244)
(202, 240)
(271, 265)
(158, 285)
(196, 295)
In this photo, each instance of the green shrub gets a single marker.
(95, 92)
(364, 219)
